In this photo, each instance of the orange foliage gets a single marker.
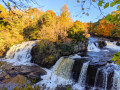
(104, 28)
(51, 12)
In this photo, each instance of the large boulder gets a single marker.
(92, 71)
(118, 43)
(101, 44)
(32, 73)
(77, 68)
(46, 53)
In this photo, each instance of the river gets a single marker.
(91, 71)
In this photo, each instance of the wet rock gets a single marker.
(92, 70)
(110, 80)
(32, 72)
(118, 43)
(101, 44)
(34, 77)
(2, 78)
(77, 67)
(3, 74)
(65, 87)
(13, 74)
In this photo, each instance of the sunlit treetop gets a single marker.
(84, 5)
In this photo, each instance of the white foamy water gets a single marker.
(60, 74)
(20, 54)
(93, 47)
(74, 56)
(116, 80)
(112, 45)
(107, 71)
(83, 73)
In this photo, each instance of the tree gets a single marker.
(52, 13)
(115, 32)
(77, 32)
(65, 16)
(99, 4)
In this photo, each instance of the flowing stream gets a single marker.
(75, 73)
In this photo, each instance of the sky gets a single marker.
(74, 9)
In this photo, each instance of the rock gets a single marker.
(118, 43)
(47, 55)
(81, 46)
(19, 79)
(65, 87)
(92, 70)
(32, 72)
(77, 68)
(2, 78)
(34, 77)
(101, 44)
(44, 54)
(13, 74)
(7, 77)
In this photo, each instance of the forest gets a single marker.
(107, 27)
(17, 26)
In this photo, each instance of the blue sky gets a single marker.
(75, 9)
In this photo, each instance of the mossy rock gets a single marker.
(46, 52)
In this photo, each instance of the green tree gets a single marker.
(77, 32)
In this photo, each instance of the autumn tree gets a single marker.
(115, 32)
(104, 28)
(77, 32)
(65, 16)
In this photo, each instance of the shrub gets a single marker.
(116, 57)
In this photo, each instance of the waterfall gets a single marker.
(20, 54)
(63, 68)
(93, 47)
(112, 45)
(116, 81)
(83, 73)
(60, 74)
(108, 78)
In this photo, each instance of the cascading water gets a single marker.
(20, 54)
(60, 74)
(93, 47)
(83, 73)
(108, 77)
(112, 45)
(63, 68)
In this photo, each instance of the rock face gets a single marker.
(118, 43)
(101, 44)
(10, 72)
(77, 68)
(92, 71)
(48, 53)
